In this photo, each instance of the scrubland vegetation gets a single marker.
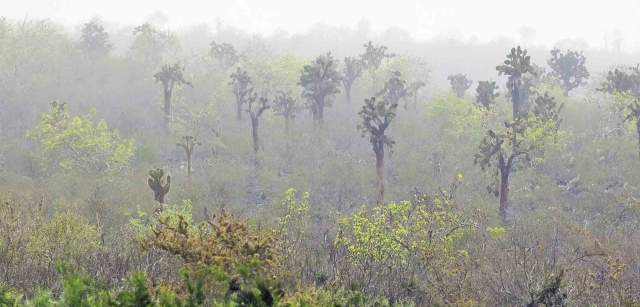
(147, 167)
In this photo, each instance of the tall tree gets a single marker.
(170, 76)
(319, 83)
(486, 93)
(350, 72)
(94, 40)
(503, 149)
(285, 105)
(188, 143)
(376, 117)
(255, 111)
(569, 67)
(243, 90)
(225, 53)
(459, 84)
(516, 66)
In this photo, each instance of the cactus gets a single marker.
(459, 84)
(320, 81)
(158, 185)
(569, 67)
(170, 76)
(486, 93)
(376, 118)
(516, 67)
(350, 72)
(394, 89)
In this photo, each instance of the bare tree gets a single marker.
(376, 117)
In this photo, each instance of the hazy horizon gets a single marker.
(597, 27)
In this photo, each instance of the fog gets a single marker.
(328, 153)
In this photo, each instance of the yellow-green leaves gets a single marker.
(399, 230)
(496, 232)
(456, 115)
(79, 143)
(66, 236)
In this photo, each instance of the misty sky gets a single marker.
(545, 22)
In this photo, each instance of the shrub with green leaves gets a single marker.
(79, 143)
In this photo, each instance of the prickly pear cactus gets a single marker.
(158, 185)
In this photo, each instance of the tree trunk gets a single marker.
(347, 91)
(167, 104)
(254, 133)
(320, 114)
(380, 174)
(515, 101)
(238, 111)
(189, 167)
(504, 192)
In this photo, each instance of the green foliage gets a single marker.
(454, 116)
(67, 236)
(398, 230)
(79, 144)
(223, 240)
